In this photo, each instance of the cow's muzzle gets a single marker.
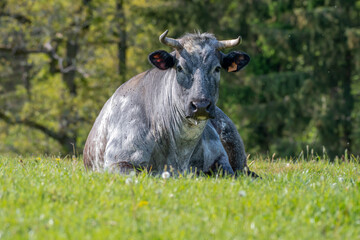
(201, 109)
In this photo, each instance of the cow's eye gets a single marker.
(217, 69)
(179, 68)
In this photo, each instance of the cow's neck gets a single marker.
(186, 142)
(183, 142)
(177, 136)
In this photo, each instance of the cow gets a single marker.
(167, 118)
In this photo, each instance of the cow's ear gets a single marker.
(234, 61)
(162, 59)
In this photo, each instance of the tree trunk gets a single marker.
(348, 101)
(72, 49)
(121, 45)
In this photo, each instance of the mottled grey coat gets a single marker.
(150, 121)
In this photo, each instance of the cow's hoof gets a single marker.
(246, 171)
(252, 174)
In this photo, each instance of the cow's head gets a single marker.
(197, 60)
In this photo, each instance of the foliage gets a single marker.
(60, 61)
(55, 198)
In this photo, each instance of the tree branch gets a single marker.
(61, 138)
(20, 18)
(46, 49)
(50, 51)
(20, 51)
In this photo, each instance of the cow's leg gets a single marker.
(125, 162)
(232, 142)
(121, 167)
(210, 155)
(222, 165)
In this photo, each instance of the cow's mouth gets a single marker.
(195, 120)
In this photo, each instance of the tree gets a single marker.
(46, 37)
(313, 41)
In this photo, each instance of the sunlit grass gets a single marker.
(55, 198)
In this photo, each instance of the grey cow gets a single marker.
(167, 116)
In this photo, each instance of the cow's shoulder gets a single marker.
(130, 87)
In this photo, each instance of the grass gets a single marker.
(49, 198)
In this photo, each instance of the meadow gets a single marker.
(55, 198)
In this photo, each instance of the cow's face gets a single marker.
(197, 64)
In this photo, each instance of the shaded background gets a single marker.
(60, 60)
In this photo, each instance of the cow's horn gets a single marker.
(169, 41)
(229, 43)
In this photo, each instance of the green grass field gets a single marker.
(49, 198)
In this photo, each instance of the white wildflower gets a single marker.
(252, 225)
(128, 181)
(165, 175)
(51, 222)
(242, 193)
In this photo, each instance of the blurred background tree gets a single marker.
(61, 60)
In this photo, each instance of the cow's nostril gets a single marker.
(193, 107)
(208, 107)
